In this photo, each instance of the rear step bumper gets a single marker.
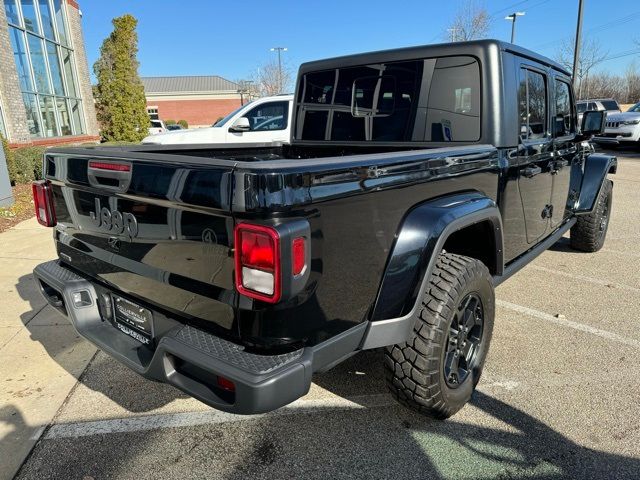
(192, 359)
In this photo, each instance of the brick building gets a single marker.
(45, 91)
(200, 100)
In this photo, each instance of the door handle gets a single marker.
(531, 171)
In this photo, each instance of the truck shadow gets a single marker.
(489, 439)
(103, 375)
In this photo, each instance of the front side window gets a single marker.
(563, 121)
(45, 67)
(421, 100)
(532, 103)
(268, 116)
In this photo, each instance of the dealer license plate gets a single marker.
(134, 320)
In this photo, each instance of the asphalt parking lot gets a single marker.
(560, 396)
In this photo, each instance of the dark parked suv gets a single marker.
(415, 182)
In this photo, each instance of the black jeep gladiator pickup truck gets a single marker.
(416, 181)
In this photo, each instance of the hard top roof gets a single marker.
(425, 51)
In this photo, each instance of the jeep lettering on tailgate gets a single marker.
(113, 221)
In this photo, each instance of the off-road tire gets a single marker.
(415, 370)
(590, 231)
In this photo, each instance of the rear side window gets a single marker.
(532, 104)
(436, 99)
(563, 121)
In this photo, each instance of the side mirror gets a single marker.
(593, 122)
(240, 125)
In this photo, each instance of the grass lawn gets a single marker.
(21, 210)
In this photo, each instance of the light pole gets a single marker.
(576, 50)
(513, 17)
(279, 50)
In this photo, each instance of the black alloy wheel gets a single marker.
(465, 335)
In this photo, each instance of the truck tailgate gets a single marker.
(157, 230)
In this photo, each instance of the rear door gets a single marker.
(535, 150)
(565, 148)
(151, 226)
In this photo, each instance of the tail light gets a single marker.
(258, 262)
(43, 200)
(272, 263)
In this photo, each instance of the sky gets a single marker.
(232, 39)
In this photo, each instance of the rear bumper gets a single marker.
(191, 359)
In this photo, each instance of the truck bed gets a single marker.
(187, 200)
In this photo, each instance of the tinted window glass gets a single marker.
(29, 14)
(20, 56)
(268, 116)
(610, 104)
(582, 107)
(39, 67)
(47, 18)
(592, 106)
(417, 100)
(532, 102)
(318, 87)
(453, 112)
(563, 120)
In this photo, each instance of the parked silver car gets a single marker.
(597, 104)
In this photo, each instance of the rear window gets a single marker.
(610, 104)
(425, 100)
(155, 124)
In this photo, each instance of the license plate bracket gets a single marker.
(133, 319)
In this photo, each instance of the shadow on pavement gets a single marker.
(104, 375)
(500, 441)
(381, 442)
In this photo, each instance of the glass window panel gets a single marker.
(11, 9)
(46, 17)
(68, 72)
(453, 112)
(564, 117)
(33, 119)
(29, 14)
(48, 116)
(38, 64)
(20, 57)
(54, 65)
(532, 104)
(65, 121)
(62, 30)
(268, 116)
(76, 114)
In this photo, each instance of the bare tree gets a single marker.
(471, 22)
(270, 80)
(591, 54)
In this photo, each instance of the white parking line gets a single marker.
(189, 419)
(569, 323)
(586, 278)
(212, 417)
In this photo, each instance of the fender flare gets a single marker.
(419, 241)
(596, 168)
